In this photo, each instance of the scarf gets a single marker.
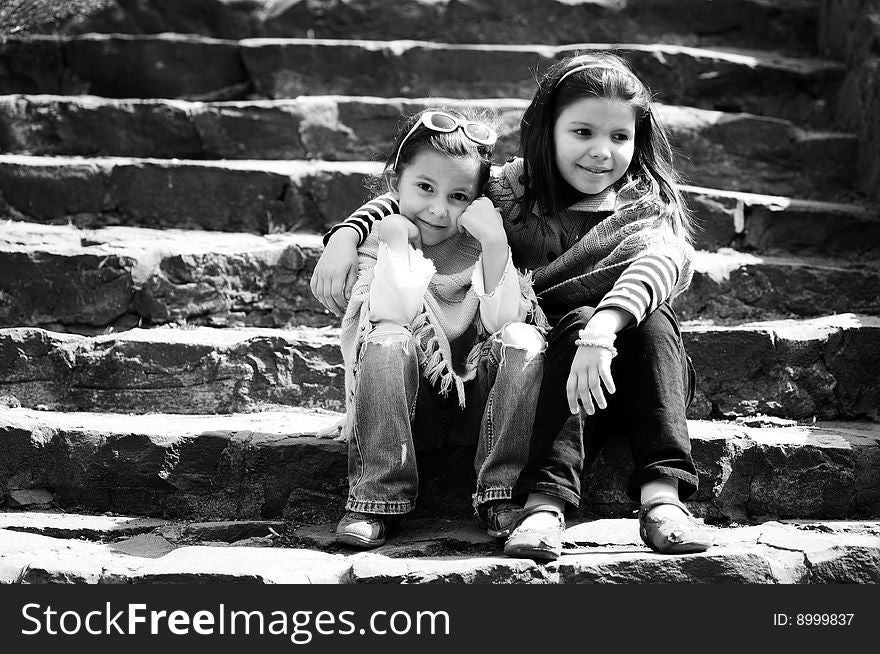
(450, 312)
(586, 271)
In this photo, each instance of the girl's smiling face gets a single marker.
(433, 190)
(594, 142)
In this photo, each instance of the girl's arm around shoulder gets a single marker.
(361, 219)
(336, 270)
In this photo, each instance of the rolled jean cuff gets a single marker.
(687, 482)
(548, 488)
(484, 495)
(379, 507)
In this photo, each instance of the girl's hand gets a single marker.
(336, 271)
(590, 369)
(483, 221)
(397, 232)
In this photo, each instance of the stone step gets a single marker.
(444, 551)
(735, 151)
(172, 66)
(760, 223)
(113, 278)
(269, 466)
(800, 369)
(730, 286)
(789, 24)
(264, 196)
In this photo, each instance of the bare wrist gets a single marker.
(345, 234)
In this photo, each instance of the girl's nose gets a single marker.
(600, 150)
(438, 210)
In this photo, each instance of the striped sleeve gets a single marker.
(643, 286)
(362, 219)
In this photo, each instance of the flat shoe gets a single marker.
(672, 535)
(543, 544)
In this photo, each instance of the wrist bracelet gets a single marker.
(600, 344)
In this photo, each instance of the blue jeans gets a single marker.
(654, 378)
(393, 403)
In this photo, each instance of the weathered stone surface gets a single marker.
(230, 531)
(776, 225)
(171, 66)
(89, 280)
(173, 370)
(746, 472)
(148, 546)
(207, 467)
(712, 566)
(792, 368)
(850, 30)
(798, 369)
(259, 197)
(269, 196)
(810, 552)
(376, 569)
(22, 498)
(790, 24)
(247, 564)
(736, 286)
(266, 466)
(67, 525)
(734, 151)
(850, 565)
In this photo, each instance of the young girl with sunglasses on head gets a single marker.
(434, 339)
(593, 209)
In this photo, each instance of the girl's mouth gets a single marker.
(431, 225)
(594, 170)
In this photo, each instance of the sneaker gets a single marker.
(498, 517)
(364, 530)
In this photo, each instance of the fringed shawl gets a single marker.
(450, 311)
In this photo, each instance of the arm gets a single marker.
(401, 275)
(641, 288)
(494, 280)
(336, 270)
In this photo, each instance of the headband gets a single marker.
(582, 67)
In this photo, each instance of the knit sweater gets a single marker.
(604, 251)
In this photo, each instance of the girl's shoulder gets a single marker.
(506, 187)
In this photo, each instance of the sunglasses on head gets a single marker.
(440, 121)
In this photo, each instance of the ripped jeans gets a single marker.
(393, 402)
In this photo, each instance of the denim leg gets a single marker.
(654, 384)
(382, 472)
(509, 375)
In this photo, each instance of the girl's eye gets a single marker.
(582, 132)
(424, 186)
(621, 137)
(460, 197)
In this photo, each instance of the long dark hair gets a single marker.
(650, 178)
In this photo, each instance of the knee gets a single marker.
(524, 337)
(387, 333)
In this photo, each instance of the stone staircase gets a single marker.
(166, 170)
